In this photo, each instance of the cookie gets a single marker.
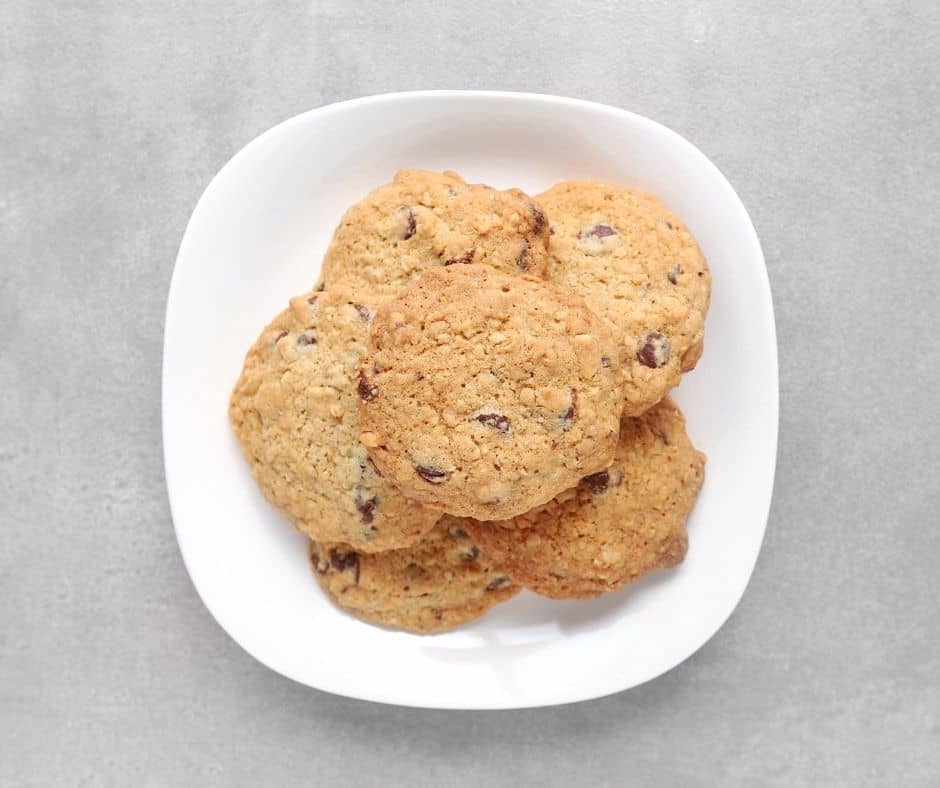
(616, 525)
(440, 582)
(485, 394)
(637, 265)
(427, 219)
(294, 409)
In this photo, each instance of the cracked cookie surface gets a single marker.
(484, 394)
(614, 526)
(438, 583)
(637, 266)
(425, 219)
(294, 410)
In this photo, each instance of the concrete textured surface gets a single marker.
(113, 118)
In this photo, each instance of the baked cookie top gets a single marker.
(426, 219)
(616, 525)
(637, 265)
(440, 582)
(484, 394)
(294, 409)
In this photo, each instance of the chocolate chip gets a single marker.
(345, 561)
(673, 274)
(596, 482)
(538, 219)
(494, 420)
(366, 388)
(597, 231)
(605, 361)
(411, 223)
(498, 582)
(571, 414)
(313, 299)
(375, 468)
(457, 532)
(462, 259)
(306, 338)
(366, 507)
(365, 314)
(522, 259)
(663, 436)
(654, 350)
(669, 225)
(430, 474)
(469, 553)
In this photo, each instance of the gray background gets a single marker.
(114, 116)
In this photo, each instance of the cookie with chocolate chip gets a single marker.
(615, 526)
(638, 266)
(428, 219)
(294, 410)
(440, 582)
(484, 394)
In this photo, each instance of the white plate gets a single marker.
(256, 238)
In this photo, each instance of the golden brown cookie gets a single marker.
(440, 582)
(425, 219)
(294, 409)
(485, 394)
(637, 265)
(616, 525)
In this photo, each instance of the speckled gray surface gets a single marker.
(112, 121)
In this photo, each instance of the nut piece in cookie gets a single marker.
(484, 394)
(440, 582)
(616, 525)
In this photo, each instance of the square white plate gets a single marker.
(256, 238)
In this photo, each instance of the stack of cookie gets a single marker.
(474, 398)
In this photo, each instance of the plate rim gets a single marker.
(765, 294)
